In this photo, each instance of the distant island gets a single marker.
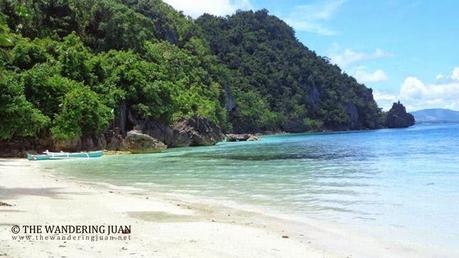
(436, 115)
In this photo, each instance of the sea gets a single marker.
(394, 183)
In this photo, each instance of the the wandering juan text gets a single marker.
(76, 229)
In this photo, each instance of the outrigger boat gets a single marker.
(47, 155)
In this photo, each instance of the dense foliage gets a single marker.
(74, 60)
(296, 88)
(74, 68)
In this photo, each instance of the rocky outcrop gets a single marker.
(17, 148)
(157, 130)
(80, 144)
(137, 142)
(114, 140)
(196, 131)
(353, 114)
(314, 98)
(397, 117)
(241, 137)
(147, 136)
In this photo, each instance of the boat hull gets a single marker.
(65, 155)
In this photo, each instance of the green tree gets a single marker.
(73, 56)
(82, 115)
(5, 38)
(45, 87)
(19, 118)
(26, 54)
(195, 92)
(264, 56)
(253, 113)
(6, 41)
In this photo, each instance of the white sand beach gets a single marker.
(162, 226)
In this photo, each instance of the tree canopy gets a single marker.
(77, 68)
(268, 62)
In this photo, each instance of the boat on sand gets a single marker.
(47, 155)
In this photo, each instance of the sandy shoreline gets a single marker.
(161, 227)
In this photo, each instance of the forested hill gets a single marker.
(436, 115)
(76, 69)
(79, 67)
(292, 88)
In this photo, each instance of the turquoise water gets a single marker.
(403, 181)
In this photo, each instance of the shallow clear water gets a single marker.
(404, 181)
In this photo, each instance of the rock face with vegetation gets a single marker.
(197, 131)
(193, 131)
(397, 117)
(84, 73)
(279, 84)
(137, 142)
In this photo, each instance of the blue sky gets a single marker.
(403, 49)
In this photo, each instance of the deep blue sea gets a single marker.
(399, 182)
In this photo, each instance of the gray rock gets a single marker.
(115, 140)
(156, 130)
(397, 117)
(196, 131)
(253, 138)
(80, 144)
(241, 137)
(68, 145)
(137, 142)
(353, 115)
(314, 98)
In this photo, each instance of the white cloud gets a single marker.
(364, 76)
(378, 95)
(195, 8)
(384, 100)
(345, 58)
(413, 88)
(439, 77)
(313, 17)
(415, 94)
(419, 95)
(455, 74)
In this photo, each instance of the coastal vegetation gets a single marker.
(282, 83)
(75, 70)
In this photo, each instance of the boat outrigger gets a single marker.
(47, 155)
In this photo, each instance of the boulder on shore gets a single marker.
(241, 137)
(137, 142)
(196, 131)
(397, 117)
